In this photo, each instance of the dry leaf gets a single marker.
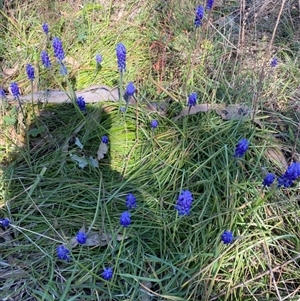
(94, 162)
(94, 239)
(82, 161)
(78, 143)
(97, 239)
(9, 72)
(93, 94)
(229, 112)
(276, 156)
(193, 110)
(102, 150)
(235, 111)
(71, 61)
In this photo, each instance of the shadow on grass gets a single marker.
(49, 198)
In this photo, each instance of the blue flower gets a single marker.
(293, 171)
(4, 222)
(268, 180)
(274, 62)
(184, 202)
(154, 124)
(104, 139)
(130, 89)
(130, 201)
(63, 253)
(98, 59)
(209, 4)
(282, 181)
(30, 72)
(45, 59)
(2, 93)
(15, 89)
(192, 100)
(121, 56)
(241, 148)
(125, 219)
(227, 237)
(81, 237)
(58, 49)
(81, 103)
(45, 28)
(107, 273)
(291, 174)
(199, 16)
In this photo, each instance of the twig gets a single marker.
(256, 278)
(262, 73)
(292, 294)
(271, 272)
(243, 24)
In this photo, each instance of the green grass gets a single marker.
(160, 256)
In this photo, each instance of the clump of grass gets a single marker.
(173, 247)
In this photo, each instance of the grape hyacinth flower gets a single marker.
(199, 16)
(45, 28)
(268, 180)
(227, 237)
(81, 103)
(30, 72)
(241, 148)
(125, 219)
(274, 62)
(63, 253)
(209, 4)
(58, 49)
(291, 174)
(4, 222)
(107, 273)
(15, 89)
(184, 202)
(98, 59)
(192, 100)
(130, 201)
(154, 124)
(104, 139)
(45, 59)
(121, 56)
(130, 89)
(81, 237)
(293, 171)
(282, 181)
